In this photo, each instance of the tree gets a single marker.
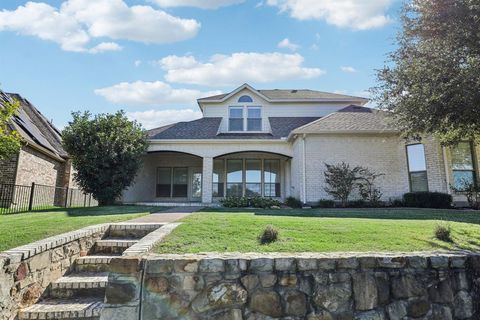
(106, 153)
(341, 180)
(367, 187)
(10, 140)
(431, 81)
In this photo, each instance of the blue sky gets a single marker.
(153, 58)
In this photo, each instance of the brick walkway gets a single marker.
(169, 215)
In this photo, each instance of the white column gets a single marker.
(207, 176)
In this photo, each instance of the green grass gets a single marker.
(325, 230)
(23, 228)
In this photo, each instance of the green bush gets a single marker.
(397, 203)
(436, 200)
(245, 202)
(326, 203)
(442, 233)
(268, 235)
(293, 202)
(360, 203)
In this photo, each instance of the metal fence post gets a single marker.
(30, 202)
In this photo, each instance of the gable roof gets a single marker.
(287, 95)
(33, 127)
(351, 119)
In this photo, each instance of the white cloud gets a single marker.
(105, 46)
(77, 22)
(203, 4)
(354, 14)
(237, 68)
(285, 43)
(150, 93)
(137, 63)
(348, 69)
(156, 118)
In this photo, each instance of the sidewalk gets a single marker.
(169, 215)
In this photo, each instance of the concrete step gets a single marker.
(132, 230)
(94, 263)
(82, 308)
(85, 284)
(115, 246)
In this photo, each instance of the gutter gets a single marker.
(304, 182)
(447, 173)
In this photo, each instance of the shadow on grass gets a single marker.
(104, 211)
(453, 215)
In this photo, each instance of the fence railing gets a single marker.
(18, 198)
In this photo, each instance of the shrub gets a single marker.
(235, 202)
(360, 203)
(325, 203)
(293, 202)
(244, 202)
(340, 180)
(265, 203)
(442, 233)
(472, 192)
(435, 200)
(268, 235)
(366, 186)
(397, 203)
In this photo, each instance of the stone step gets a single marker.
(93, 263)
(82, 308)
(116, 246)
(85, 284)
(132, 230)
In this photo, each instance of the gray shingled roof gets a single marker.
(207, 128)
(293, 94)
(352, 118)
(33, 126)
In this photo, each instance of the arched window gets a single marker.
(245, 99)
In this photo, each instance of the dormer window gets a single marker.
(245, 118)
(254, 119)
(246, 99)
(235, 119)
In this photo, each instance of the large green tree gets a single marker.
(10, 141)
(106, 152)
(432, 80)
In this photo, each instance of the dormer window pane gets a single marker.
(254, 120)
(235, 122)
(245, 99)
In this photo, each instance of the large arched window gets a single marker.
(245, 99)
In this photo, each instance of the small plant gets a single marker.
(341, 180)
(326, 203)
(235, 202)
(268, 235)
(442, 232)
(366, 186)
(264, 203)
(293, 202)
(472, 192)
(360, 203)
(397, 203)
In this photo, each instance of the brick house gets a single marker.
(275, 143)
(41, 160)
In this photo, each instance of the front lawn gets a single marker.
(327, 230)
(23, 228)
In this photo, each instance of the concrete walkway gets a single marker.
(169, 215)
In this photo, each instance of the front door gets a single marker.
(196, 184)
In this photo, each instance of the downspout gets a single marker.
(304, 169)
(445, 165)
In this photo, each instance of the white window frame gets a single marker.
(244, 108)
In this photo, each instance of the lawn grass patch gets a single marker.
(326, 231)
(23, 228)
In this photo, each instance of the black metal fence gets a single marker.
(17, 198)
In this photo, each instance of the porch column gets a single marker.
(207, 176)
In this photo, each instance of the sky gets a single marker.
(154, 58)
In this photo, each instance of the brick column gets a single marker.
(207, 176)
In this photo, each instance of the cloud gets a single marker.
(348, 69)
(354, 14)
(150, 93)
(202, 4)
(137, 63)
(77, 22)
(156, 118)
(237, 68)
(285, 43)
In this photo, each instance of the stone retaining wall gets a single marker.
(307, 286)
(26, 272)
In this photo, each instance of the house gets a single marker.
(41, 160)
(275, 143)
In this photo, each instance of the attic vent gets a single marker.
(294, 91)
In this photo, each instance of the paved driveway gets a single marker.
(169, 215)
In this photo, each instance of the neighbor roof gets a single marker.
(287, 95)
(208, 128)
(351, 119)
(33, 127)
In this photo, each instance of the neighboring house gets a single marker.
(41, 160)
(275, 143)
